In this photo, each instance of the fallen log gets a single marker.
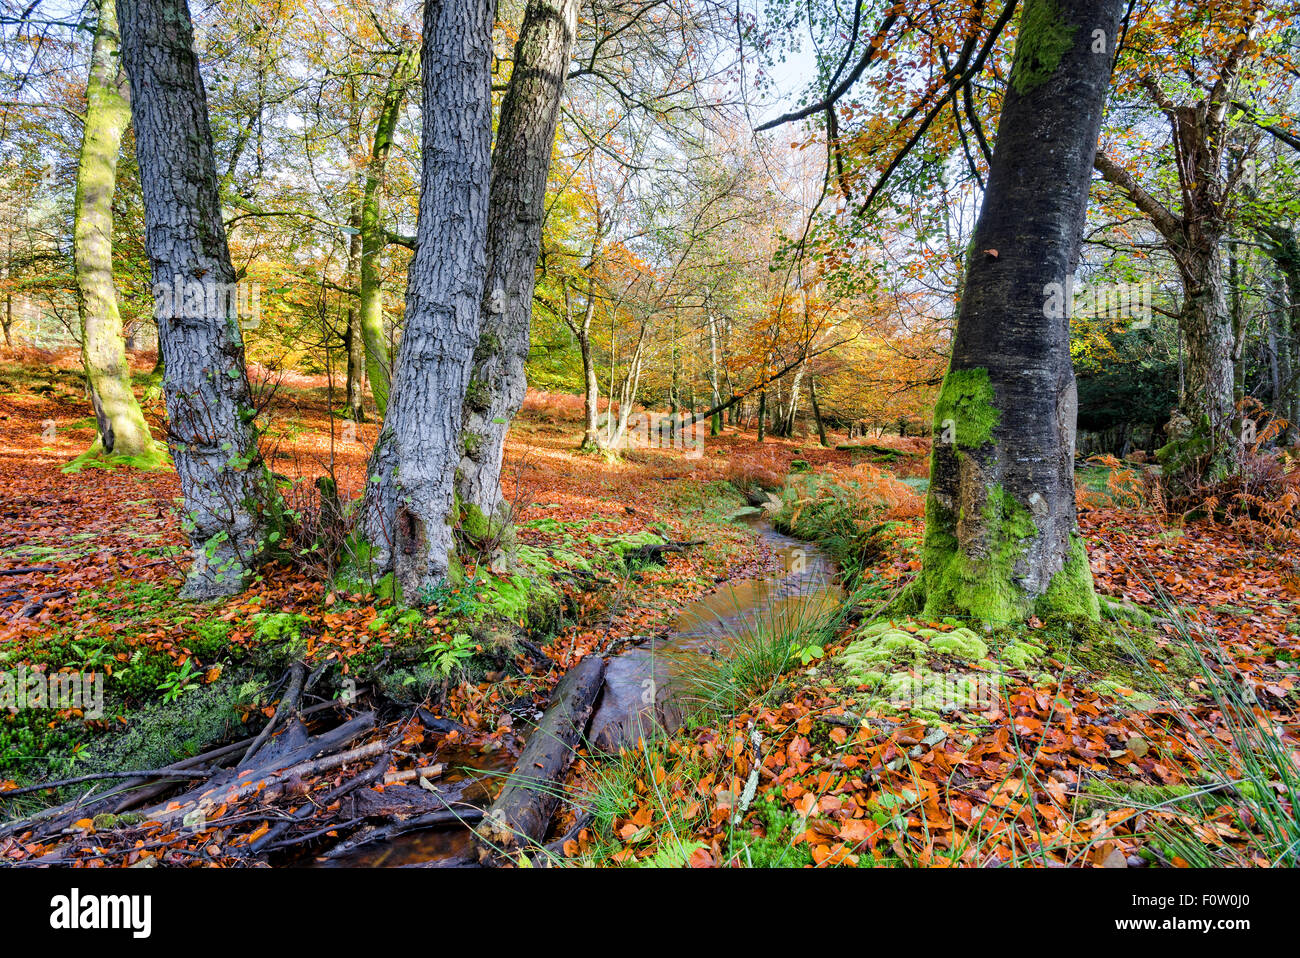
(29, 569)
(522, 812)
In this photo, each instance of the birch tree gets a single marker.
(122, 433)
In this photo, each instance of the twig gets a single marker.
(99, 776)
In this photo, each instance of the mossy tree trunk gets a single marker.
(374, 237)
(354, 335)
(123, 434)
(228, 495)
(520, 162)
(1001, 533)
(410, 501)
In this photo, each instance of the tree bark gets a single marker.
(520, 163)
(591, 390)
(1283, 246)
(1203, 444)
(226, 487)
(410, 492)
(1001, 536)
(122, 431)
(715, 395)
(353, 338)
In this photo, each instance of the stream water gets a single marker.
(647, 684)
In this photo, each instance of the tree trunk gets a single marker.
(355, 335)
(410, 492)
(226, 487)
(715, 396)
(1275, 343)
(1283, 246)
(817, 411)
(1001, 536)
(1203, 441)
(591, 391)
(792, 410)
(122, 431)
(521, 160)
(374, 238)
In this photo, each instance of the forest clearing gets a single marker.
(653, 434)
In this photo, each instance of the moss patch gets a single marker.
(1071, 591)
(966, 403)
(981, 583)
(1043, 39)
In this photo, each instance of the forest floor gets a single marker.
(1165, 735)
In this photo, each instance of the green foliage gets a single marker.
(179, 681)
(446, 654)
(844, 517)
(775, 847)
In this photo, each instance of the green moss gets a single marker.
(158, 734)
(981, 584)
(1138, 795)
(95, 458)
(1124, 611)
(1132, 698)
(927, 694)
(1019, 655)
(966, 398)
(774, 848)
(961, 644)
(1071, 591)
(885, 643)
(477, 396)
(474, 525)
(1043, 39)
